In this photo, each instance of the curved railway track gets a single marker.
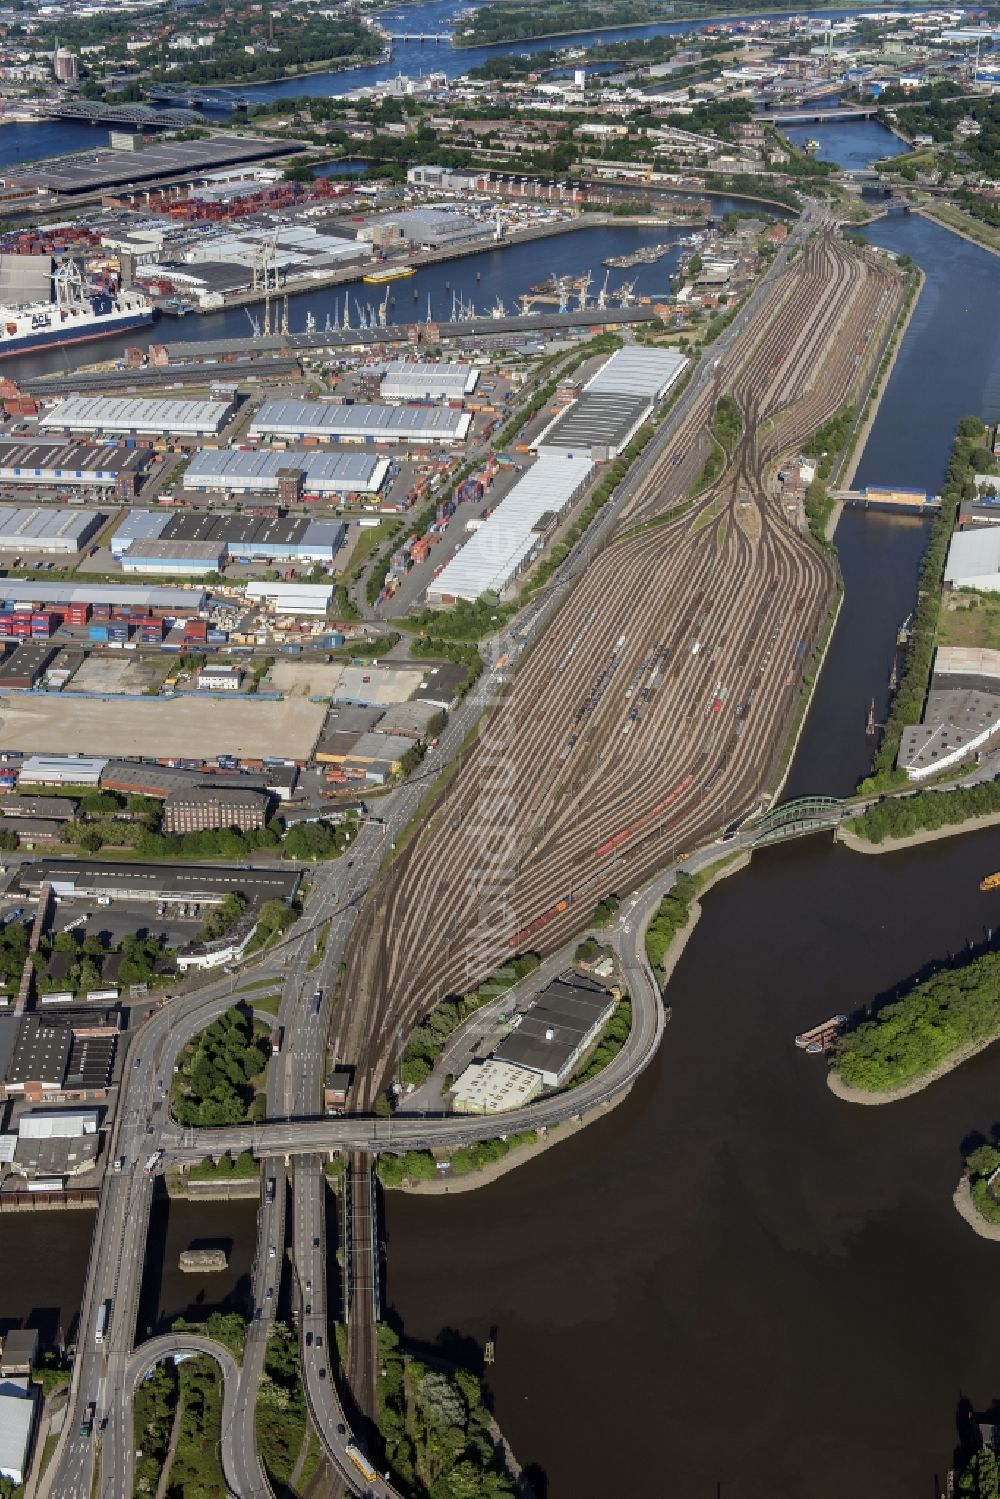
(654, 708)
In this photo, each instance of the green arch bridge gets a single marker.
(796, 819)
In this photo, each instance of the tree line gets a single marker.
(937, 1018)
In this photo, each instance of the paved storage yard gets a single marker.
(161, 727)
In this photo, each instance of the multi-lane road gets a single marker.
(656, 676)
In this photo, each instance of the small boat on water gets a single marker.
(991, 882)
(821, 1037)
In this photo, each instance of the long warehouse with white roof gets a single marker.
(236, 472)
(433, 380)
(509, 539)
(132, 415)
(636, 371)
(614, 403)
(335, 421)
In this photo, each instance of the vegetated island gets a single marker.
(933, 1029)
(975, 1199)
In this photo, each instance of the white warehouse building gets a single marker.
(511, 537)
(292, 598)
(335, 421)
(428, 380)
(27, 528)
(57, 1124)
(61, 770)
(236, 472)
(131, 415)
(974, 560)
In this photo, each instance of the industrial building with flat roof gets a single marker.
(430, 380)
(175, 558)
(600, 423)
(32, 528)
(89, 879)
(118, 595)
(25, 665)
(89, 171)
(61, 770)
(17, 1422)
(615, 402)
(335, 421)
(557, 1029)
(148, 540)
(493, 1087)
(131, 416)
(961, 714)
(638, 371)
(334, 474)
(974, 560)
(509, 539)
(292, 598)
(70, 463)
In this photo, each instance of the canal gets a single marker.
(734, 1284)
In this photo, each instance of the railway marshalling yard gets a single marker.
(656, 703)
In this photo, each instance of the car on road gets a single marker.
(270, 1293)
(322, 1373)
(309, 1338)
(319, 1340)
(271, 1252)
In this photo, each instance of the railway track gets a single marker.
(654, 707)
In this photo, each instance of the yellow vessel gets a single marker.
(391, 273)
(991, 882)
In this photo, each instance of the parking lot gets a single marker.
(125, 919)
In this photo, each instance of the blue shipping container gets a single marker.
(98, 632)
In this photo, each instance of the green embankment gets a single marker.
(281, 1406)
(671, 916)
(970, 454)
(152, 1422)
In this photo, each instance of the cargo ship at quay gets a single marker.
(71, 315)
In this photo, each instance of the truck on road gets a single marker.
(87, 1424)
(277, 1036)
(103, 1318)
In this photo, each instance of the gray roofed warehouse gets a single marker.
(256, 473)
(558, 1028)
(427, 380)
(29, 528)
(125, 414)
(337, 421)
